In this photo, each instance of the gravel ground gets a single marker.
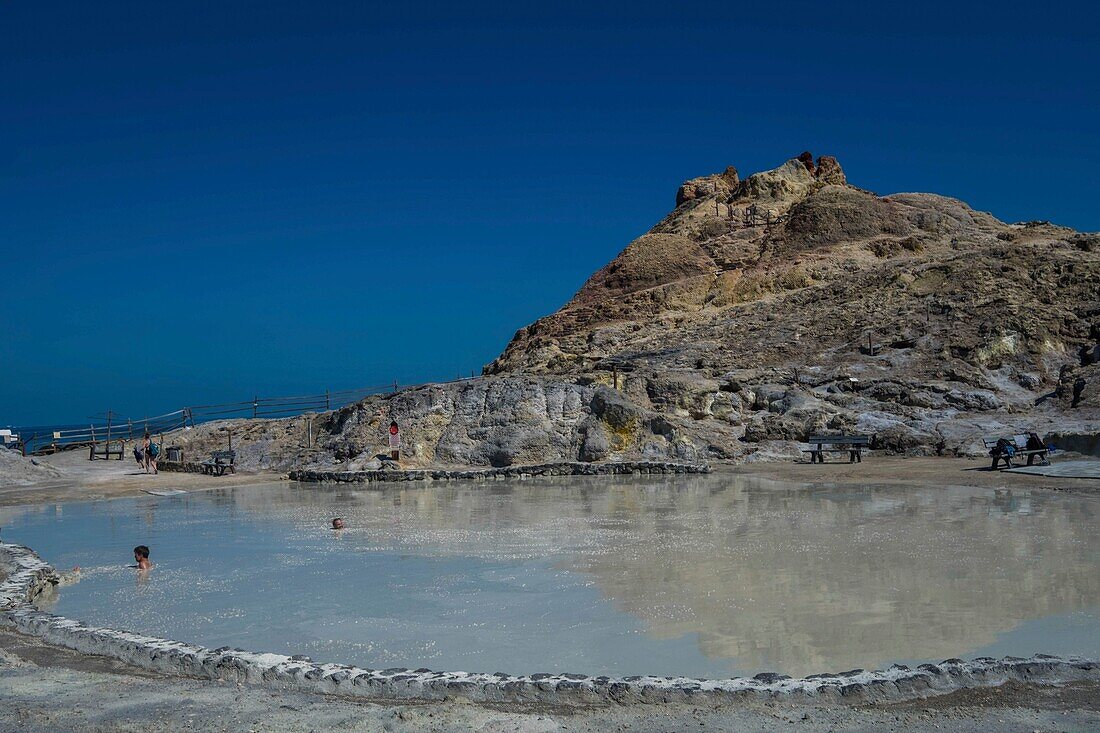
(17, 469)
(49, 690)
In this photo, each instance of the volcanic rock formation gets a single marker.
(760, 311)
(792, 302)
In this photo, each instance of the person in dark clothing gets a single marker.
(1003, 451)
(1034, 442)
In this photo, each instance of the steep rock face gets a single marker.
(791, 302)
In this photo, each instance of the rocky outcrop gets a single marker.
(497, 422)
(756, 312)
(713, 185)
(829, 171)
(911, 316)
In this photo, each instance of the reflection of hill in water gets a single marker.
(801, 579)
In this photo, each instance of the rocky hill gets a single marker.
(764, 309)
(792, 301)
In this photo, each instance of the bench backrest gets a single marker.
(839, 440)
(224, 455)
(1018, 441)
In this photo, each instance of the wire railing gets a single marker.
(115, 427)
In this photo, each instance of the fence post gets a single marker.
(255, 406)
(395, 386)
(328, 401)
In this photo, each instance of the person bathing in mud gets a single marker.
(141, 557)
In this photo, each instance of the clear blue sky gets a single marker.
(202, 202)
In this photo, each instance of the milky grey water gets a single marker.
(704, 576)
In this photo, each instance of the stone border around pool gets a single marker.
(565, 468)
(29, 575)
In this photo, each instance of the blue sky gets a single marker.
(202, 202)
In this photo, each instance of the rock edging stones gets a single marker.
(568, 468)
(30, 574)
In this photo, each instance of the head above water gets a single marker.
(337, 523)
(141, 552)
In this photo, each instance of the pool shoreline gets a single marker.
(29, 575)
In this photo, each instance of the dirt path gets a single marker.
(84, 480)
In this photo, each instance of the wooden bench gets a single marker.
(105, 451)
(1019, 445)
(853, 445)
(220, 462)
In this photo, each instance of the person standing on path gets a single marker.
(395, 440)
(150, 451)
(145, 443)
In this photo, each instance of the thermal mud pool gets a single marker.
(711, 576)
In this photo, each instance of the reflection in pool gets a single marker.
(710, 576)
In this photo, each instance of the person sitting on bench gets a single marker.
(1004, 450)
(1034, 443)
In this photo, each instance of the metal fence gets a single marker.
(113, 426)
